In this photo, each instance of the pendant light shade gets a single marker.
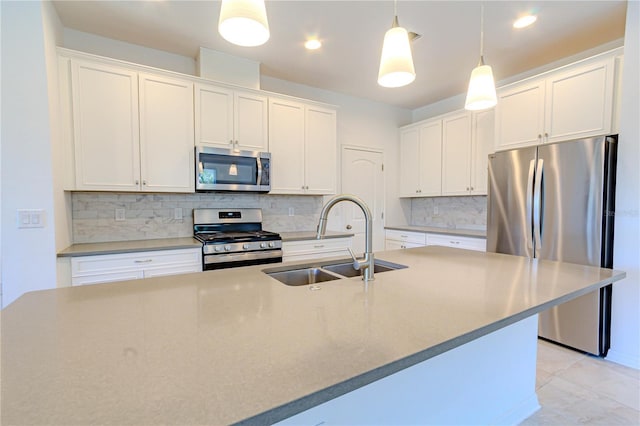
(244, 22)
(396, 61)
(482, 88)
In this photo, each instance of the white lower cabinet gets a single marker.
(105, 268)
(315, 249)
(395, 239)
(468, 243)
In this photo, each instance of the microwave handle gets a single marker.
(259, 162)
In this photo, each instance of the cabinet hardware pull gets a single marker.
(144, 182)
(318, 246)
(472, 188)
(143, 261)
(349, 227)
(539, 136)
(404, 236)
(546, 135)
(137, 182)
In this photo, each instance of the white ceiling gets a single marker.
(352, 34)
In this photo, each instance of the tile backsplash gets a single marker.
(149, 216)
(450, 212)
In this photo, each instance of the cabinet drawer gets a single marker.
(395, 245)
(469, 243)
(111, 263)
(315, 249)
(419, 238)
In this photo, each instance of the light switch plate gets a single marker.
(30, 218)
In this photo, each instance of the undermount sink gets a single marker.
(347, 269)
(304, 276)
(318, 272)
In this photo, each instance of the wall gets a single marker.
(28, 255)
(625, 339)
(97, 45)
(450, 212)
(152, 215)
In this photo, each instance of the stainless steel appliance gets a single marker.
(234, 237)
(219, 169)
(557, 202)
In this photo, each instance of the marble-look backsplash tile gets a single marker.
(450, 212)
(149, 216)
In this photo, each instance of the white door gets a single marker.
(363, 176)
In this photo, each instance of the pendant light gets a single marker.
(396, 62)
(482, 89)
(244, 22)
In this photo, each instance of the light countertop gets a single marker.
(235, 345)
(90, 249)
(463, 232)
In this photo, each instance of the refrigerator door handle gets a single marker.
(529, 237)
(537, 207)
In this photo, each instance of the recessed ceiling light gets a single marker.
(525, 21)
(313, 44)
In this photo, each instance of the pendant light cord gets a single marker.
(481, 31)
(395, 7)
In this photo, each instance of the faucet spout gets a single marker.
(366, 264)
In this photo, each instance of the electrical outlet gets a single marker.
(177, 213)
(120, 217)
(292, 211)
(435, 210)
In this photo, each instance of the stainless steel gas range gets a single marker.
(234, 237)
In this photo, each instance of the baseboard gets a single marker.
(520, 412)
(624, 359)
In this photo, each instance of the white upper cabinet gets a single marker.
(132, 132)
(226, 118)
(573, 102)
(321, 166)
(482, 144)
(105, 127)
(166, 134)
(456, 154)
(466, 143)
(420, 159)
(303, 145)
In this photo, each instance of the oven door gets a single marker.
(219, 169)
(233, 260)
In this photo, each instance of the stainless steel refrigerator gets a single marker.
(557, 202)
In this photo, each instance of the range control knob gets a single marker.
(272, 244)
(263, 245)
(227, 248)
(218, 248)
(245, 246)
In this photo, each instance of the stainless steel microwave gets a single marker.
(220, 169)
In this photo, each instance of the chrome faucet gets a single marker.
(365, 264)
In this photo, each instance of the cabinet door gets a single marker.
(409, 163)
(166, 134)
(286, 136)
(579, 101)
(250, 122)
(430, 159)
(213, 116)
(456, 154)
(520, 115)
(105, 124)
(481, 146)
(320, 151)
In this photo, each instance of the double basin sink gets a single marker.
(318, 272)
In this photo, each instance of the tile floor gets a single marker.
(574, 388)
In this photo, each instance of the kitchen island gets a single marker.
(236, 345)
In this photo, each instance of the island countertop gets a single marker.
(236, 345)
